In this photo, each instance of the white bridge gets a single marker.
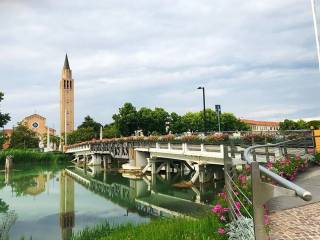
(205, 160)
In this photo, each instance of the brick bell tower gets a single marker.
(66, 99)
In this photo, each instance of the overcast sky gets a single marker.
(256, 58)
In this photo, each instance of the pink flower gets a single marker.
(221, 230)
(269, 165)
(266, 219)
(223, 218)
(242, 179)
(237, 205)
(217, 208)
(225, 209)
(222, 195)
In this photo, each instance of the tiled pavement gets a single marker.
(294, 219)
(301, 223)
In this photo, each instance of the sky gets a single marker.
(256, 58)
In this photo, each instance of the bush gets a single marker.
(21, 156)
(159, 229)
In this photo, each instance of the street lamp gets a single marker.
(204, 110)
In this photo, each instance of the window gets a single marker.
(70, 84)
(64, 84)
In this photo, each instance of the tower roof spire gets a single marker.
(66, 63)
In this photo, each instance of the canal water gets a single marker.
(53, 202)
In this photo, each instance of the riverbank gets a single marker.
(174, 229)
(23, 156)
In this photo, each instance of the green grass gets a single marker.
(159, 229)
(28, 156)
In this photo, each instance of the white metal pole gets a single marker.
(315, 25)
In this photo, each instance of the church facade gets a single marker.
(66, 99)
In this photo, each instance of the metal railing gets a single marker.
(253, 206)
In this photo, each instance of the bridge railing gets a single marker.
(263, 184)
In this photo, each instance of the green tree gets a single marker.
(193, 121)
(160, 117)
(4, 119)
(111, 131)
(314, 123)
(53, 139)
(81, 135)
(229, 122)
(90, 123)
(176, 124)
(288, 125)
(301, 124)
(23, 137)
(146, 120)
(126, 120)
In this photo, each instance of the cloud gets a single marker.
(255, 58)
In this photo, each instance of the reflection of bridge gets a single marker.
(204, 160)
(138, 195)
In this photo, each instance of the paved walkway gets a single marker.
(294, 219)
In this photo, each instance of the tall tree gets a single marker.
(4, 119)
(288, 125)
(90, 123)
(314, 124)
(81, 135)
(23, 137)
(126, 120)
(229, 122)
(160, 118)
(146, 120)
(176, 124)
(111, 131)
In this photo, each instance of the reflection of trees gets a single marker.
(20, 185)
(4, 207)
(7, 220)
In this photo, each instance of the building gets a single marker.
(37, 123)
(262, 125)
(66, 99)
(7, 133)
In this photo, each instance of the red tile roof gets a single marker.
(260, 123)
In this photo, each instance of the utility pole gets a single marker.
(218, 111)
(204, 110)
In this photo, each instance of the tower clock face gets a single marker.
(35, 125)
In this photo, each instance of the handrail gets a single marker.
(302, 193)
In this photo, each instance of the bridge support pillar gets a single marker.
(168, 171)
(202, 173)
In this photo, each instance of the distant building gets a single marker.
(7, 133)
(37, 123)
(262, 125)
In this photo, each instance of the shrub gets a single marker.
(21, 156)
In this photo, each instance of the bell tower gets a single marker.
(66, 99)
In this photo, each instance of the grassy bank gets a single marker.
(30, 156)
(159, 229)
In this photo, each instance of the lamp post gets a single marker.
(204, 110)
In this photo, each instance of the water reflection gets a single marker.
(54, 201)
(67, 215)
